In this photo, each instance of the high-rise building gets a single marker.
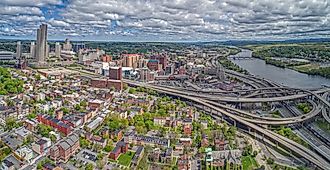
(67, 45)
(115, 73)
(57, 49)
(77, 46)
(162, 60)
(33, 50)
(41, 47)
(131, 60)
(18, 50)
(47, 51)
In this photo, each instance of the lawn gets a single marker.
(125, 159)
(249, 163)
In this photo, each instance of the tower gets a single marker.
(41, 47)
(33, 49)
(57, 50)
(67, 45)
(18, 50)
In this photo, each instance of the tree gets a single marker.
(270, 161)
(89, 166)
(52, 137)
(100, 164)
(77, 107)
(31, 116)
(65, 110)
(83, 103)
(11, 123)
(44, 130)
(132, 90)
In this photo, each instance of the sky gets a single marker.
(166, 20)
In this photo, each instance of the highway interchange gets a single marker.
(211, 101)
(254, 122)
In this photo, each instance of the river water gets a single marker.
(283, 76)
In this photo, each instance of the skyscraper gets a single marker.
(67, 45)
(41, 47)
(58, 50)
(18, 50)
(33, 50)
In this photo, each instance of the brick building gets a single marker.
(115, 73)
(121, 147)
(55, 123)
(66, 148)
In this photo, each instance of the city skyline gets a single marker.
(194, 20)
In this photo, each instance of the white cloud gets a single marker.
(181, 19)
(16, 10)
(58, 23)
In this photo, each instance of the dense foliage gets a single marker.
(313, 52)
(8, 84)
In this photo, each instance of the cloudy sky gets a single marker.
(166, 20)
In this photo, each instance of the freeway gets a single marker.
(324, 111)
(269, 120)
(200, 93)
(259, 100)
(289, 144)
(250, 100)
(308, 136)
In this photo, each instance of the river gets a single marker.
(283, 76)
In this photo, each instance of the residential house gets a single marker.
(41, 145)
(137, 157)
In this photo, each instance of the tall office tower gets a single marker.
(19, 50)
(67, 45)
(41, 47)
(33, 50)
(47, 51)
(77, 46)
(57, 50)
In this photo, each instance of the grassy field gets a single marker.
(125, 159)
(249, 163)
(306, 68)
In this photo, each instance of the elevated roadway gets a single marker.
(268, 120)
(249, 100)
(326, 114)
(289, 144)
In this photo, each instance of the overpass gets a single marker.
(247, 100)
(289, 144)
(268, 120)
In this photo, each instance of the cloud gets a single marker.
(171, 19)
(37, 3)
(58, 23)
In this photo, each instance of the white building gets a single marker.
(25, 153)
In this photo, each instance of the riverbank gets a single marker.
(284, 54)
(306, 68)
(284, 76)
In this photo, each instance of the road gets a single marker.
(289, 144)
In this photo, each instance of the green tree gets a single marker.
(89, 166)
